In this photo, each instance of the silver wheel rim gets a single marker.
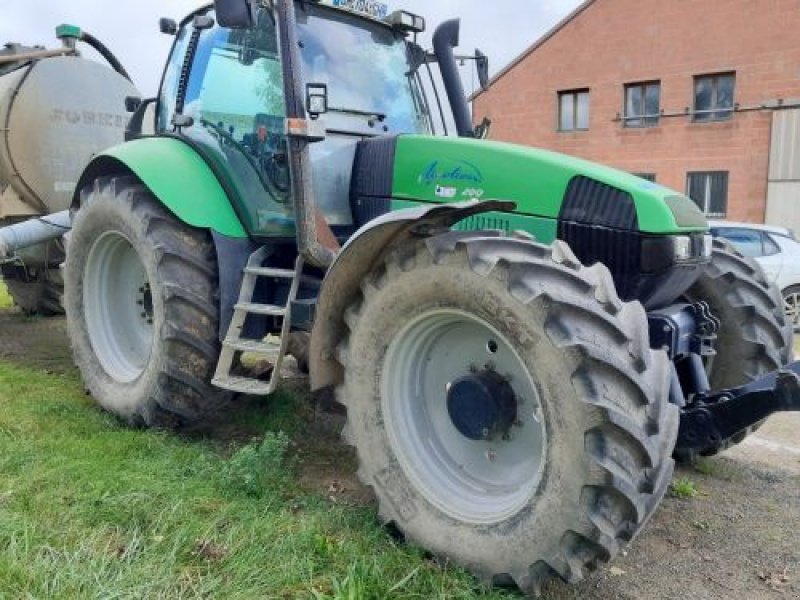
(791, 304)
(118, 307)
(481, 481)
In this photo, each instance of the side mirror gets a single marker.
(202, 22)
(482, 130)
(136, 122)
(482, 65)
(316, 99)
(235, 14)
(167, 26)
(132, 103)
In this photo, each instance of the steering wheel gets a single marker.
(225, 136)
(276, 166)
(271, 164)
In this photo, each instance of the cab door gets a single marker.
(234, 99)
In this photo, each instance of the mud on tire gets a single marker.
(608, 430)
(147, 356)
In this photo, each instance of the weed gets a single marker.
(684, 488)
(5, 297)
(325, 545)
(706, 467)
(702, 525)
(257, 469)
(365, 580)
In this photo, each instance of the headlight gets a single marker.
(692, 247)
(683, 247)
(406, 21)
(666, 251)
(708, 245)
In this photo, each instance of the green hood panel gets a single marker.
(182, 180)
(453, 169)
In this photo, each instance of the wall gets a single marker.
(783, 195)
(613, 42)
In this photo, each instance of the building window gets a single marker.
(648, 176)
(710, 191)
(642, 104)
(713, 97)
(573, 110)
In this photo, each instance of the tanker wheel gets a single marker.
(43, 296)
(755, 337)
(141, 305)
(506, 407)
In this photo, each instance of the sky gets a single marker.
(502, 29)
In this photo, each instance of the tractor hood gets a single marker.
(544, 184)
(654, 240)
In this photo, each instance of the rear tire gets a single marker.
(755, 337)
(589, 459)
(142, 310)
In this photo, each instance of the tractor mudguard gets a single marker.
(359, 256)
(177, 175)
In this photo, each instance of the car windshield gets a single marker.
(365, 66)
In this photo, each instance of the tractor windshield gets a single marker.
(367, 69)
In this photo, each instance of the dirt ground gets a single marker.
(738, 538)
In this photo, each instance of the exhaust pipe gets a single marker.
(33, 232)
(444, 41)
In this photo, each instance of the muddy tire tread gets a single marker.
(628, 448)
(185, 264)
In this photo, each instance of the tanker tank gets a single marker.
(57, 110)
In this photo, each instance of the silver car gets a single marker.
(777, 251)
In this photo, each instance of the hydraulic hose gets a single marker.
(103, 50)
(33, 232)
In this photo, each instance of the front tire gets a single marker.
(755, 337)
(141, 307)
(588, 457)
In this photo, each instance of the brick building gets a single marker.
(704, 97)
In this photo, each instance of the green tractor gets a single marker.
(522, 340)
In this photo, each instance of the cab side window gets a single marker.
(235, 97)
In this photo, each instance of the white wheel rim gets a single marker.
(118, 307)
(480, 481)
(791, 304)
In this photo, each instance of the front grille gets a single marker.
(592, 202)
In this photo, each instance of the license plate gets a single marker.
(376, 10)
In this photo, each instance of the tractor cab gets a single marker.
(354, 75)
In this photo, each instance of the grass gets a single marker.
(5, 297)
(683, 488)
(706, 467)
(90, 508)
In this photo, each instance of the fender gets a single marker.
(177, 175)
(365, 249)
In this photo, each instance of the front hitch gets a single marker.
(719, 416)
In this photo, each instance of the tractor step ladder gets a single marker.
(274, 352)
